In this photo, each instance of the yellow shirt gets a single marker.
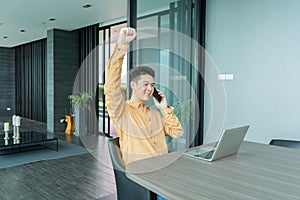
(141, 129)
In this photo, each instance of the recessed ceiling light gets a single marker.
(87, 5)
(52, 19)
(22, 31)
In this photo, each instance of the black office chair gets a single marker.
(286, 143)
(126, 188)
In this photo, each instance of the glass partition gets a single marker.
(166, 42)
(107, 42)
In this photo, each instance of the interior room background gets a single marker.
(256, 41)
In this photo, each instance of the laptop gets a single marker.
(228, 144)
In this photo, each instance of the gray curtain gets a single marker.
(88, 74)
(31, 63)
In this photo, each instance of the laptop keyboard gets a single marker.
(206, 155)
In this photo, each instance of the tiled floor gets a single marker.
(86, 176)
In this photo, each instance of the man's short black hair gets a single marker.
(137, 72)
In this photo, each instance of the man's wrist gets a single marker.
(122, 46)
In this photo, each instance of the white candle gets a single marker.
(6, 126)
(14, 120)
(18, 121)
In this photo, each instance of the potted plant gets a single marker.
(79, 102)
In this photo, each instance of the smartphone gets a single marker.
(156, 95)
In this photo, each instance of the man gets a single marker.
(141, 129)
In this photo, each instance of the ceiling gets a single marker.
(32, 16)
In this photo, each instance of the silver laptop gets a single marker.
(228, 144)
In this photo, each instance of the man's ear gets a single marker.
(132, 85)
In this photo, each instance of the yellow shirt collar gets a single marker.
(138, 105)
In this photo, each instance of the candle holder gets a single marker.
(15, 131)
(16, 141)
(14, 117)
(18, 137)
(17, 124)
(6, 135)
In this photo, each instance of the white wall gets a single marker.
(259, 42)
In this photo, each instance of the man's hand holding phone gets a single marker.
(160, 100)
(156, 95)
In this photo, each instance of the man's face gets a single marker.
(143, 89)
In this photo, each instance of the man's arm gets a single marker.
(112, 88)
(115, 102)
(171, 123)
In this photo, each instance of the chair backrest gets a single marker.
(115, 154)
(126, 188)
(286, 143)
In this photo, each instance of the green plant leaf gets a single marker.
(80, 100)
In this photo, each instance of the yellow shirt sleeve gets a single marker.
(172, 124)
(114, 99)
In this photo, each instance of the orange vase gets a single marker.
(70, 124)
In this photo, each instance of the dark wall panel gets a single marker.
(7, 83)
(62, 67)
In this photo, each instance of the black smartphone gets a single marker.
(156, 95)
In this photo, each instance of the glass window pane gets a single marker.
(175, 74)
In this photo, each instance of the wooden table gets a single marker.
(258, 171)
